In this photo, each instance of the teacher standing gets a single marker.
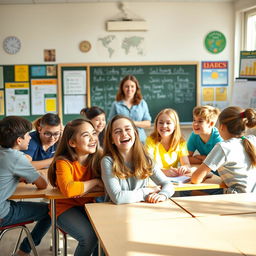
(129, 102)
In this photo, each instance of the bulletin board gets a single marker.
(29, 91)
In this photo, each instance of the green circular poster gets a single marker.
(215, 42)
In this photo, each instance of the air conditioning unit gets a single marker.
(127, 25)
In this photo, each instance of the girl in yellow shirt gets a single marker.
(75, 171)
(167, 146)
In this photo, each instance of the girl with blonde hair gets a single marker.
(167, 146)
(126, 166)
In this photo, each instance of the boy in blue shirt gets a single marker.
(205, 135)
(15, 166)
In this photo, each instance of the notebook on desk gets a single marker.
(179, 180)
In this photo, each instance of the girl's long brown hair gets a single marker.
(176, 137)
(237, 120)
(66, 152)
(141, 161)
(120, 93)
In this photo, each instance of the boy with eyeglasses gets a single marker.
(44, 140)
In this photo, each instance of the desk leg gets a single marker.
(54, 230)
(99, 248)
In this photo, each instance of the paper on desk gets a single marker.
(179, 179)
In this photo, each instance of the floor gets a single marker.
(8, 243)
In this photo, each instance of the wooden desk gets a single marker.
(125, 233)
(211, 183)
(24, 191)
(227, 204)
(239, 230)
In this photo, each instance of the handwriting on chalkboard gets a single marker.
(163, 86)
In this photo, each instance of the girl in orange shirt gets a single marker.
(75, 171)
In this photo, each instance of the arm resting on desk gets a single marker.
(40, 182)
(200, 174)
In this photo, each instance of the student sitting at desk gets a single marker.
(14, 137)
(75, 170)
(126, 167)
(167, 146)
(205, 135)
(44, 140)
(235, 157)
(98, 118)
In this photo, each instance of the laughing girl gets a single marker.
(126, 166)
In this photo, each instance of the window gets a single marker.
(250, 30)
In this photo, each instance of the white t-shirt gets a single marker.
(233, 164)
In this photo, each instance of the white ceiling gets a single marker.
(98, 1)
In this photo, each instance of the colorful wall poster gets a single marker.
(215, 42)
(21, 73)
(41, 91)
(17, 99)
(214, 73)
(221, 94)
(1, 103)
(247, 67)
(38, 71)
(208, 94)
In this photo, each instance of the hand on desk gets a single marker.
(155, 198)
(174, 172)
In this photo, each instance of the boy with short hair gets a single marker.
(14, 137)
(205, 135)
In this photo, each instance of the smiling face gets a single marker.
(165, 126)
(85, 141)
(49, 135)
(123, 135)
(201, 126)
(129, 89)
(99, 122)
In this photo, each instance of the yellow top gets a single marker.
(166, 159)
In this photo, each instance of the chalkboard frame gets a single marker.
(181, 63)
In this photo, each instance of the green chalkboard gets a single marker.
(163, 86)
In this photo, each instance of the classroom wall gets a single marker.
(176, 31)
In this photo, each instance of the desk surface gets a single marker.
(24, 191)
(134, 235)
(238, 230)
(226, 204)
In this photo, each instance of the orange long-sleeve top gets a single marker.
(70, 177)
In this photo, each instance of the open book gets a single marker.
(179, 180)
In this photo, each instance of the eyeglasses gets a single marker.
(54, 135)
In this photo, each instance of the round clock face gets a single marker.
(11, 44)
(85, 46)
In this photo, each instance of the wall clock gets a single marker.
(11, 44)
(85, 46)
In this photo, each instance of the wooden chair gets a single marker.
(21, 226)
